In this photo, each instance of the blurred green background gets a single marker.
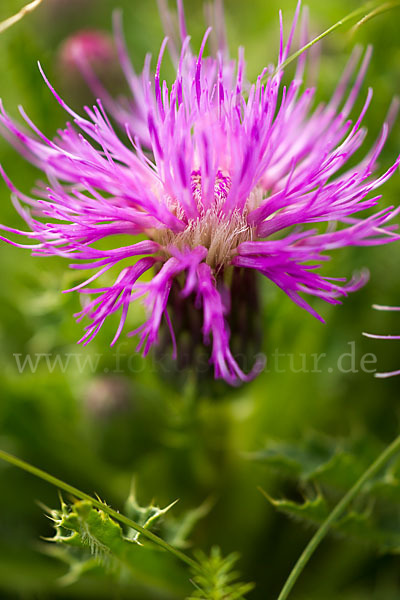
(96, 428)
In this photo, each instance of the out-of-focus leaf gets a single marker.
(78, 565)
(333, 467)
(328, 461)
(374, 529)
(300, 460)
(177, 530)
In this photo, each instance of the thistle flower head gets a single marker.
(216, 175)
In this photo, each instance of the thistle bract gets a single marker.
(217, 176)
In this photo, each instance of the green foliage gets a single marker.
(320, 458)
(215, 578)
(146, 516)
(173, 530)
(176, 531)
(91, 539)
(324, 469)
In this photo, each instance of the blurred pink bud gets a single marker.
(89, 65)
(87, 47)
(108, 396)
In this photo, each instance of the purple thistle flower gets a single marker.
(218, 175)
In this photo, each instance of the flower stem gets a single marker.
(367, 12)
(388, 453)
(21, 464)
(15, 18)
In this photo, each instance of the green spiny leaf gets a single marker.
(146, 516)
(370, 526)
(93, 538)
(175, 530)
(332, 466)
(215, 579)
(314, 510)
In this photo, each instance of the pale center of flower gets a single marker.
(221, 234)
